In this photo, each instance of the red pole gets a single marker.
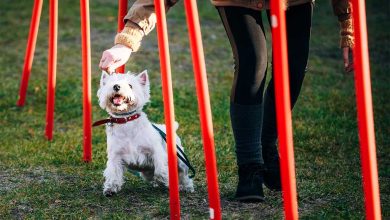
(365, 112)
(204, 106)
(283, 112)
(122, 11)
(86, 59)
(162, 36)
(29, 56)
(52, 68)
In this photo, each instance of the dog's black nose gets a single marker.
(116, 87)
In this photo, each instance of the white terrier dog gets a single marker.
(132, 140)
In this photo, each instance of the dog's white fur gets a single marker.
(135, 144)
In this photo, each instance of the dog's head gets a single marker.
(121, 93)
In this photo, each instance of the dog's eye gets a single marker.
(130, 86)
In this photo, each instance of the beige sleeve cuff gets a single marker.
(346, 34)
(131, 36)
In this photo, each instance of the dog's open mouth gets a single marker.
(118, 100)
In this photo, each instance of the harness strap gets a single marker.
(182, 157)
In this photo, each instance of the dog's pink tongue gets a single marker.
(117, 100)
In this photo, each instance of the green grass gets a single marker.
(41, 179)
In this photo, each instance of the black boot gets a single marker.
(272, 168)
(247, 121)
(250, 183)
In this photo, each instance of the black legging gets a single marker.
(245, 31)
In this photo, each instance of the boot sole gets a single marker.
(250, 199)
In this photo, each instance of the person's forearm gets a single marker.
(140, 21)
(342, 9)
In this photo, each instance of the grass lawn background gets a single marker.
(41, 179)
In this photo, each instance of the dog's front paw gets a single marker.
(189, 187)
(111, 189)
(108, 193)
(155, 184)
(162, 180)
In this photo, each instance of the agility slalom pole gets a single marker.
(283, 108)
(86, 68)
(169, 114)
(52, 68)
(29, 56)
(122, 11)
(365, 112)
(204, 106)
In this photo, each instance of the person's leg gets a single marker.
(298, 20)
(245, 31)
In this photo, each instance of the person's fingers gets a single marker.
(351, 65)
(101, 62)
(350, 68)
(114, 58)
(107, 63)
(115, 65)
(110, 70)
(346, 57)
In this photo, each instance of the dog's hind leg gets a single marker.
(147, 175)
(113, 175)
(186, 183)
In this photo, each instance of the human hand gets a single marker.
(114, 57)
(348, 57)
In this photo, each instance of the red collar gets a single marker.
(112, 120)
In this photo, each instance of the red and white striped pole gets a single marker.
(204, 107)
(122, 11)
(162, 36)
(52, 68)
(365, 112)
(86, 72)
(29, 56)
(283, 108)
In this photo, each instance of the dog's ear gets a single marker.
(143, 77)
(103, 78)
